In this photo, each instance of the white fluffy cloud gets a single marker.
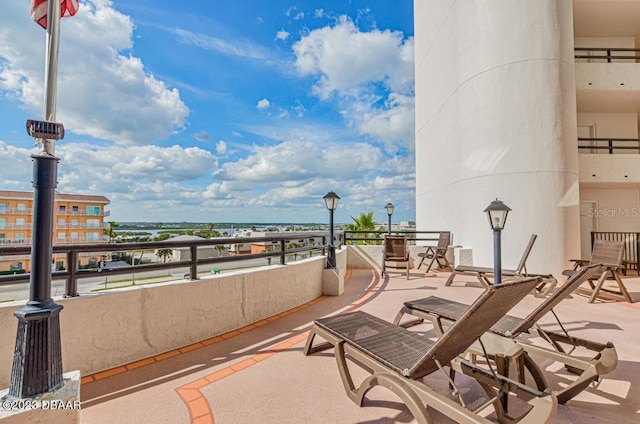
(296, 161)
(103, 90)
(354, 65)
(282, 35)
(263, 104)
(345, 57)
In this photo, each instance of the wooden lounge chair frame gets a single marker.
(605, 360)
(609, 255)
(438, 253)
(398, 359)
(395, 250)
(484, 274)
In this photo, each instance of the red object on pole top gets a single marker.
(39, 10)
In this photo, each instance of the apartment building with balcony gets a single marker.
(535, 102)
(78, 219)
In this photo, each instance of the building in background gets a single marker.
(78, 219)
(534, 102)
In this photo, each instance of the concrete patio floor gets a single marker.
(258, 374)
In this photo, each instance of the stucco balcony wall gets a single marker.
(609, 168)
(117, 327)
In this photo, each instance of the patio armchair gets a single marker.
(398, 359)
(438, 253)
(438, 310)
(395, 250)
(485, 274)
(608, 255)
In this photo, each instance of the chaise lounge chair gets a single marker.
(484, 274)
(605, 360)
(399, 359)
(608, 254)
(438, 253)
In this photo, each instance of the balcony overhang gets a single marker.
(605, 18)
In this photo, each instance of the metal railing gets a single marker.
(609, 144)
(606, 53)
(287, 245)
(377, 237)
(631, 245)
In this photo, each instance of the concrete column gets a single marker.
(496, 117)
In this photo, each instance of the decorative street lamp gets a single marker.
(331, 200)
(389, 207)
(497, 213)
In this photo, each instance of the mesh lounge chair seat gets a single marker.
(484, 274)
(605, 360)
(608, 255)
(399, 358)
(438, 253)
(396, 251)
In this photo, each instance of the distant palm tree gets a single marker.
(158, 225)
(111, 231)
(364, 222)
(164, 253)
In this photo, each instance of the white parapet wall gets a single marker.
(116, 327)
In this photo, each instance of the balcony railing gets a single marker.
(81, 212)
(604, 54)
(14, 241)
(26, 226)
(608, 145)
(102, 226)
(377, 237)
(16, 211)
(76, 240)
(287, 245)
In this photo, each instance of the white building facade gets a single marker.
(501, 100)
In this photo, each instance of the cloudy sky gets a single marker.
(245, 110)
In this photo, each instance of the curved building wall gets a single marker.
(496, 117)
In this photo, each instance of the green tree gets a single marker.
(110, 231)
(364, 222)
(164, 254)
(158, 225)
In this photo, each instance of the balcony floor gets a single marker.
(259, 374)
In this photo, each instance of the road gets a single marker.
(19, 292)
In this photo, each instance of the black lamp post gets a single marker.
(389, 207)
(497, 213)
(331, 200)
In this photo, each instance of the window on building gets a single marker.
(93, 210)
(75, 208)
(15, 266)
(93, 236)
(74, 236)
(62, 208)
(74, 223)
(62, 222)
(3, 207)
(21, 207)
(19, 237)
(20, 223)
(93, 223)
(62, 237)
(2, 238)
(3, 222)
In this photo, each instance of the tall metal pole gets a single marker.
(37, 360)
(331, 253)
(389, 227)
(497, 257)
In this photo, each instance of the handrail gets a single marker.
(73, 273)
(611, 144)
(378, 236)
(608, 56)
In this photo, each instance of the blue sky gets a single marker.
(220, 111)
